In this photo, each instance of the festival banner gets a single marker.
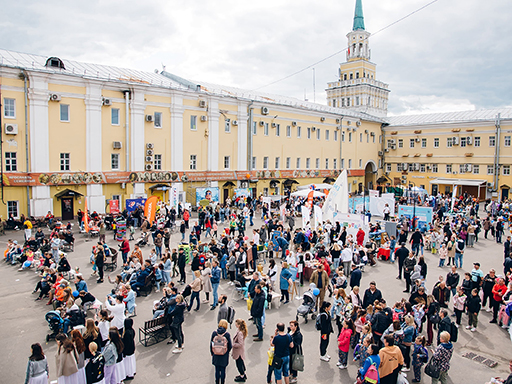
(114, 206)
(337, 200)
(422, 215)
(86, 216)
(150, 208)
(211, 194)
(133, 204)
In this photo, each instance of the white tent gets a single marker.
(318, 187)
(305, 193)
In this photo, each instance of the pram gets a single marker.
(187, 291)
(55, 323)
(143, 240)
(307, 307)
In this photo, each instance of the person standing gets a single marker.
(441, 357)
(239, 349)
(37, 367)
(416, 241)
(498, 291)
(215, 281)
(257, 307)
(282, 342)
(125, 249)
(320, 278)
(499, 230)
(177, 316)
(344, 343)
(452, 280)
(130, 367)
(346, 258)
(487, 286)
(325, 329)
(391, 361)
(371, 294)
(182, 262)
(473, 304)
(386, 210)
(409, 264)
(99, 262)
(285, 282)
(335, 252)
(400, 255)
(220, 346)
(297, 338)
(459, 251)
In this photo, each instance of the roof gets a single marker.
(358, 17)
(87, 70)
(450, 117)
(269, 98)
(466, 182)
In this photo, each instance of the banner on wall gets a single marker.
(173, 197)
(211, 194)
(133, 204)
(150, 208)
(377, 204)
(305, 216)
(423, 215)
(267, 200)
(114, 206)
(282, 211)
(373, 193)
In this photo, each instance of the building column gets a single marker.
(38, 94)
(243, 132)
(137, 138)
(93, 156)
(213, 136)
(177, 110)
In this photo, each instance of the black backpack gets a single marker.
(95, 369)
(454, 332)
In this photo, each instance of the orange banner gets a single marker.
(150, 208)
(86, 217)
(310, 198)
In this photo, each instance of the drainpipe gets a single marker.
(249, 138)
(26, 139)
(341, 141)
(497, 154)
(127, 128)
(1, 150)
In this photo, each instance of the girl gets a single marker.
(37, 367)
(159, 276)
(272, 273)
(443, 253)
(419, 357)
(115, 337)
(359, 323)
(459, 302)
(167, 268)
(94, 368)
(206, 275)
(344, 343)
(338, 308)
(297, 339)
(419, 313)
(130, 367)
(196, 286)
(79, 343)
(103, 325)
(362, 352)
(409, 335)
(372, 359)
(239, 349)
(91, 335)
(110, 353)
(67, 370)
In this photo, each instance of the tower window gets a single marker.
(351, 76)
(357, 75)
(334, 103)
(345, 76)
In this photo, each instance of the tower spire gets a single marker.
(358, 16)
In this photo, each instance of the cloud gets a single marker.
(415, 104)
(453, 52)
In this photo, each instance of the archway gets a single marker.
(370, 172)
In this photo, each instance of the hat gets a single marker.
(476, 264)
(15, 241)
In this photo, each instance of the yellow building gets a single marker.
(75, 130)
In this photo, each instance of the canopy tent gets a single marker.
(305, 193)
(469, 182)
(318, 187)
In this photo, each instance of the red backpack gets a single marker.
(372, 374)
(219, 345)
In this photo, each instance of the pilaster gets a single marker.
(213, 136)
(137, 137)
(243, 132)
(177, 109)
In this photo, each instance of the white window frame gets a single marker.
(335, 135)
(476, 169)
(288, 131)
(265, 162)
(435, 168)
(9, 110)
(476, 141)
(193, 162)
(253, 162)
(327, 135)
(506, 141)
(326, 163)
(308, 162)
(114, 159)
(227, 162)
(112, 112)
(342, 163)
(158, 119)
(157, 162)
(299, 132)
(492, 141)
(449, 168)
(227, 126)
(288, 162)
(436, 142)
(335, 163)
(298, 163)
(490, 169)
(318, 134)
(278, 130)
(449, 142)
(388, 167)
(317, 163)
(277, 162)
(193, 122)
(265, 129)
(61, 110)
(309, 133)
(13, 207)
(254, 128)
(463, 142)
(349, 163)
(400, 143)
(10, 165)
(65, 161)
(423, 143)
(506, 170)
(411, 143)
(360, 163)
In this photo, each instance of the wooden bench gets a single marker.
(154, 331)
(148, 284)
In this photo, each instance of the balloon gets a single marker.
(312, 286)
(246, 237)
(75, 294)
(316, 291)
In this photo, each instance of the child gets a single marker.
(459, 302)
(419, 312)
(103, 324)
(270, 359)
(92, 259)
(159, 274)
(443, 252)
(359, 323)
(473, 304)
(419, 357)
(344, 343)
(362, 352)
(132, 232)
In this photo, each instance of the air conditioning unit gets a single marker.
(11, 129)
(202, 103)
(454, 172)
(228, 120)
(149, 152)
(54, 97)
(405, 166)
(234, 122)
(429, 167)
(313, 129)
(366, 131)
(149, 167)
(490, 185)
(203, 118)
(469, 140)
(294, 123)
(149, 159)
(386, 150)
(117, 145)
(107, 102)
(392, 141)
(455, 140)
(381, 153)
(262, 123)
(274, 125)
(149, 145)
(349, 129)
(338, 121)
(417, 139)
(264, 110)
(393, 146)
(150, 118)
(338, 128)
(322, 119)
(358, 123)
(372, 133)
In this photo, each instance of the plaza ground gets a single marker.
(23, 323)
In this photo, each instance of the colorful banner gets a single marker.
(317, 212)
(377, 204)
(422, 215)
(282, 211)
(173, 197)
(150, 208)
(86, 216)
(211, 194)
(352, 222)
(357, 204)
(373, 193)
(114, 206)
(133, 204)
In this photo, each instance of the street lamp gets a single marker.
(414, 205)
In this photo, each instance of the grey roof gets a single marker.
(86, 70)
(449, 117)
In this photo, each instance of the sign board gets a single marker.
(211, 194)
(422, 215)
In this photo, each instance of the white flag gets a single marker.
(318, 215)
(454, 196)
(305, 216)
(337, 200)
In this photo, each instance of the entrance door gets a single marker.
(66, 204)
(226, 194)
(435, 189)
(504, 194)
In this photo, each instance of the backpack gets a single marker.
(318, 323)
(219, 345)
(454, 332)
(95, 369)
(372, 374)
(508, 309)
(231, 315)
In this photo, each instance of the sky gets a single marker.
(453, 55)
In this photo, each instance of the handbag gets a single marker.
(435, 319)
(432, 371)
(298, 362)
(277, 362)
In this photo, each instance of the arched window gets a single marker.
(54, 62)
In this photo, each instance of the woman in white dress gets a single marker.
(66, 361)
(130, 367)
(37, 367)
(78, 341)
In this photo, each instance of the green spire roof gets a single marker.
(358, 16)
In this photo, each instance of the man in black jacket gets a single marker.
(355, 276)
(506, 247)
(409, 264)
(371, 294)
(258, 304)
(416, 241)
(400, 255)
(452, 280)
(444, 325)
(182, 262)
(487, 286)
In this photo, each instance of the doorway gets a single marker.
(226, 194)
(504, 194)
(435, 189)
(66, 204)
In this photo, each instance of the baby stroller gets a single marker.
(143, 240)
(187, 291)
(308, 306)
(56, 324)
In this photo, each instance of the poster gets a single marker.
(317, 212)
(211, 193)
(133, 204)
(352, 222)
(114, 206)
(243, 192)
(377, 204)
(357, 204)
(423, 215)
(282, 211)
(173, 197)
(150, 208)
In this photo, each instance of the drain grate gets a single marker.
(480, 359)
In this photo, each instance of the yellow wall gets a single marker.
(195, 142)
(111, 133)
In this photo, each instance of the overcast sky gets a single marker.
(453, 55)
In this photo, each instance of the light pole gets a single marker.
(414, 205)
